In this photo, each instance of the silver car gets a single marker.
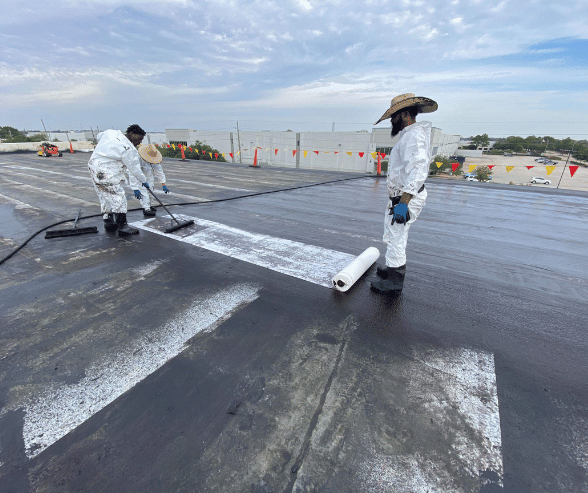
(538, 179)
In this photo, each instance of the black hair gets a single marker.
(412, 110)
(136, 129)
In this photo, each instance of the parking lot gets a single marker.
(218, 358)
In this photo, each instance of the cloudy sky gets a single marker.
(501, 67)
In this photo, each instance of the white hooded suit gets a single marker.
(113, 155)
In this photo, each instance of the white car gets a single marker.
(538, 179)
(471, 178)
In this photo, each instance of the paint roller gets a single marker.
(353, 271)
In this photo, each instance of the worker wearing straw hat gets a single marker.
(151, 167)
(408, 168)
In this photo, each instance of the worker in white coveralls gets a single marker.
(114, 154)
(408, 168)
(151, 167)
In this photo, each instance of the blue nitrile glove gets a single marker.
(165, 189)
(146, 185)
(401, 213)
(138, 194)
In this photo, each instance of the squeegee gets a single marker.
(180, 224)
(57, 233)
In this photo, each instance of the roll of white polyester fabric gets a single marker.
(352, 272)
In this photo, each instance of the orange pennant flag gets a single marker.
(275, 152)
(327, 152)
(529, 167)
(491, 166)
(294, 153)
(438, 164)
(374, 155)
(509, 169)
(174, 146)
(210, 155)
(336, 152)
(316, 152)
(549, 169)
(454, 166)
(216, 155)
(231, 154)
(472, 167)
(573, 169)
(361, 154)
(350, 153)
(305, 153)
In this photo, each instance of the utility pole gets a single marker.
(239, 141)
(564, 170)
(333, 127)
(45, 129)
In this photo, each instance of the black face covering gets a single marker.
(396, 128)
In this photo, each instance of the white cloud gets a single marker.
(304, 5)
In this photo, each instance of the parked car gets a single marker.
(549, 162)
(472, 178)
(507, 154)
(467, 175)
(538, 179)
(541, 159)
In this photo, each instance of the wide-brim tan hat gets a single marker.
(150, 153)
(425, 105)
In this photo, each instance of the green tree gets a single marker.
(199, 151)
(481, 140)
(483, 173)
(447, 165)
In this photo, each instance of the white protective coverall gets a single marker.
(408, 168)
(113, 154)
(151, 171)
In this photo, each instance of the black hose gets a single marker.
(183, 203)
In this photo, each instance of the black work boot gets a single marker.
(123, 228)
(393, 283)
(110, 223)
(382, 271)
(149, 212)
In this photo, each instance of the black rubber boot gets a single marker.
(123, 228)
(382, 271)
(393, 283)
(149, 212)
(110, 223)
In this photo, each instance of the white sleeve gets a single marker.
(130, 158)
(158, 172)
(416, 157)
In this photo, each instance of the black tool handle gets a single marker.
(161, 203)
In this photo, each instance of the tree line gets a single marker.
(12, 135)
(536, 145)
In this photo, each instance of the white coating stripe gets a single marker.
(15, 201)
(210, 185)
(446, 392)
(50, 193)
(62, 408)
(88, 179)
(311, 263)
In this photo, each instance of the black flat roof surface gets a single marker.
(158, 363)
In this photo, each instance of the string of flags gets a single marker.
(472, 167)
(294, 152)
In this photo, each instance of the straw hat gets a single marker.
(425, 105)
(150, 153)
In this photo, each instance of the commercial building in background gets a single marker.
(333, 151)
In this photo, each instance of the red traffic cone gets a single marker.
(254, 165)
